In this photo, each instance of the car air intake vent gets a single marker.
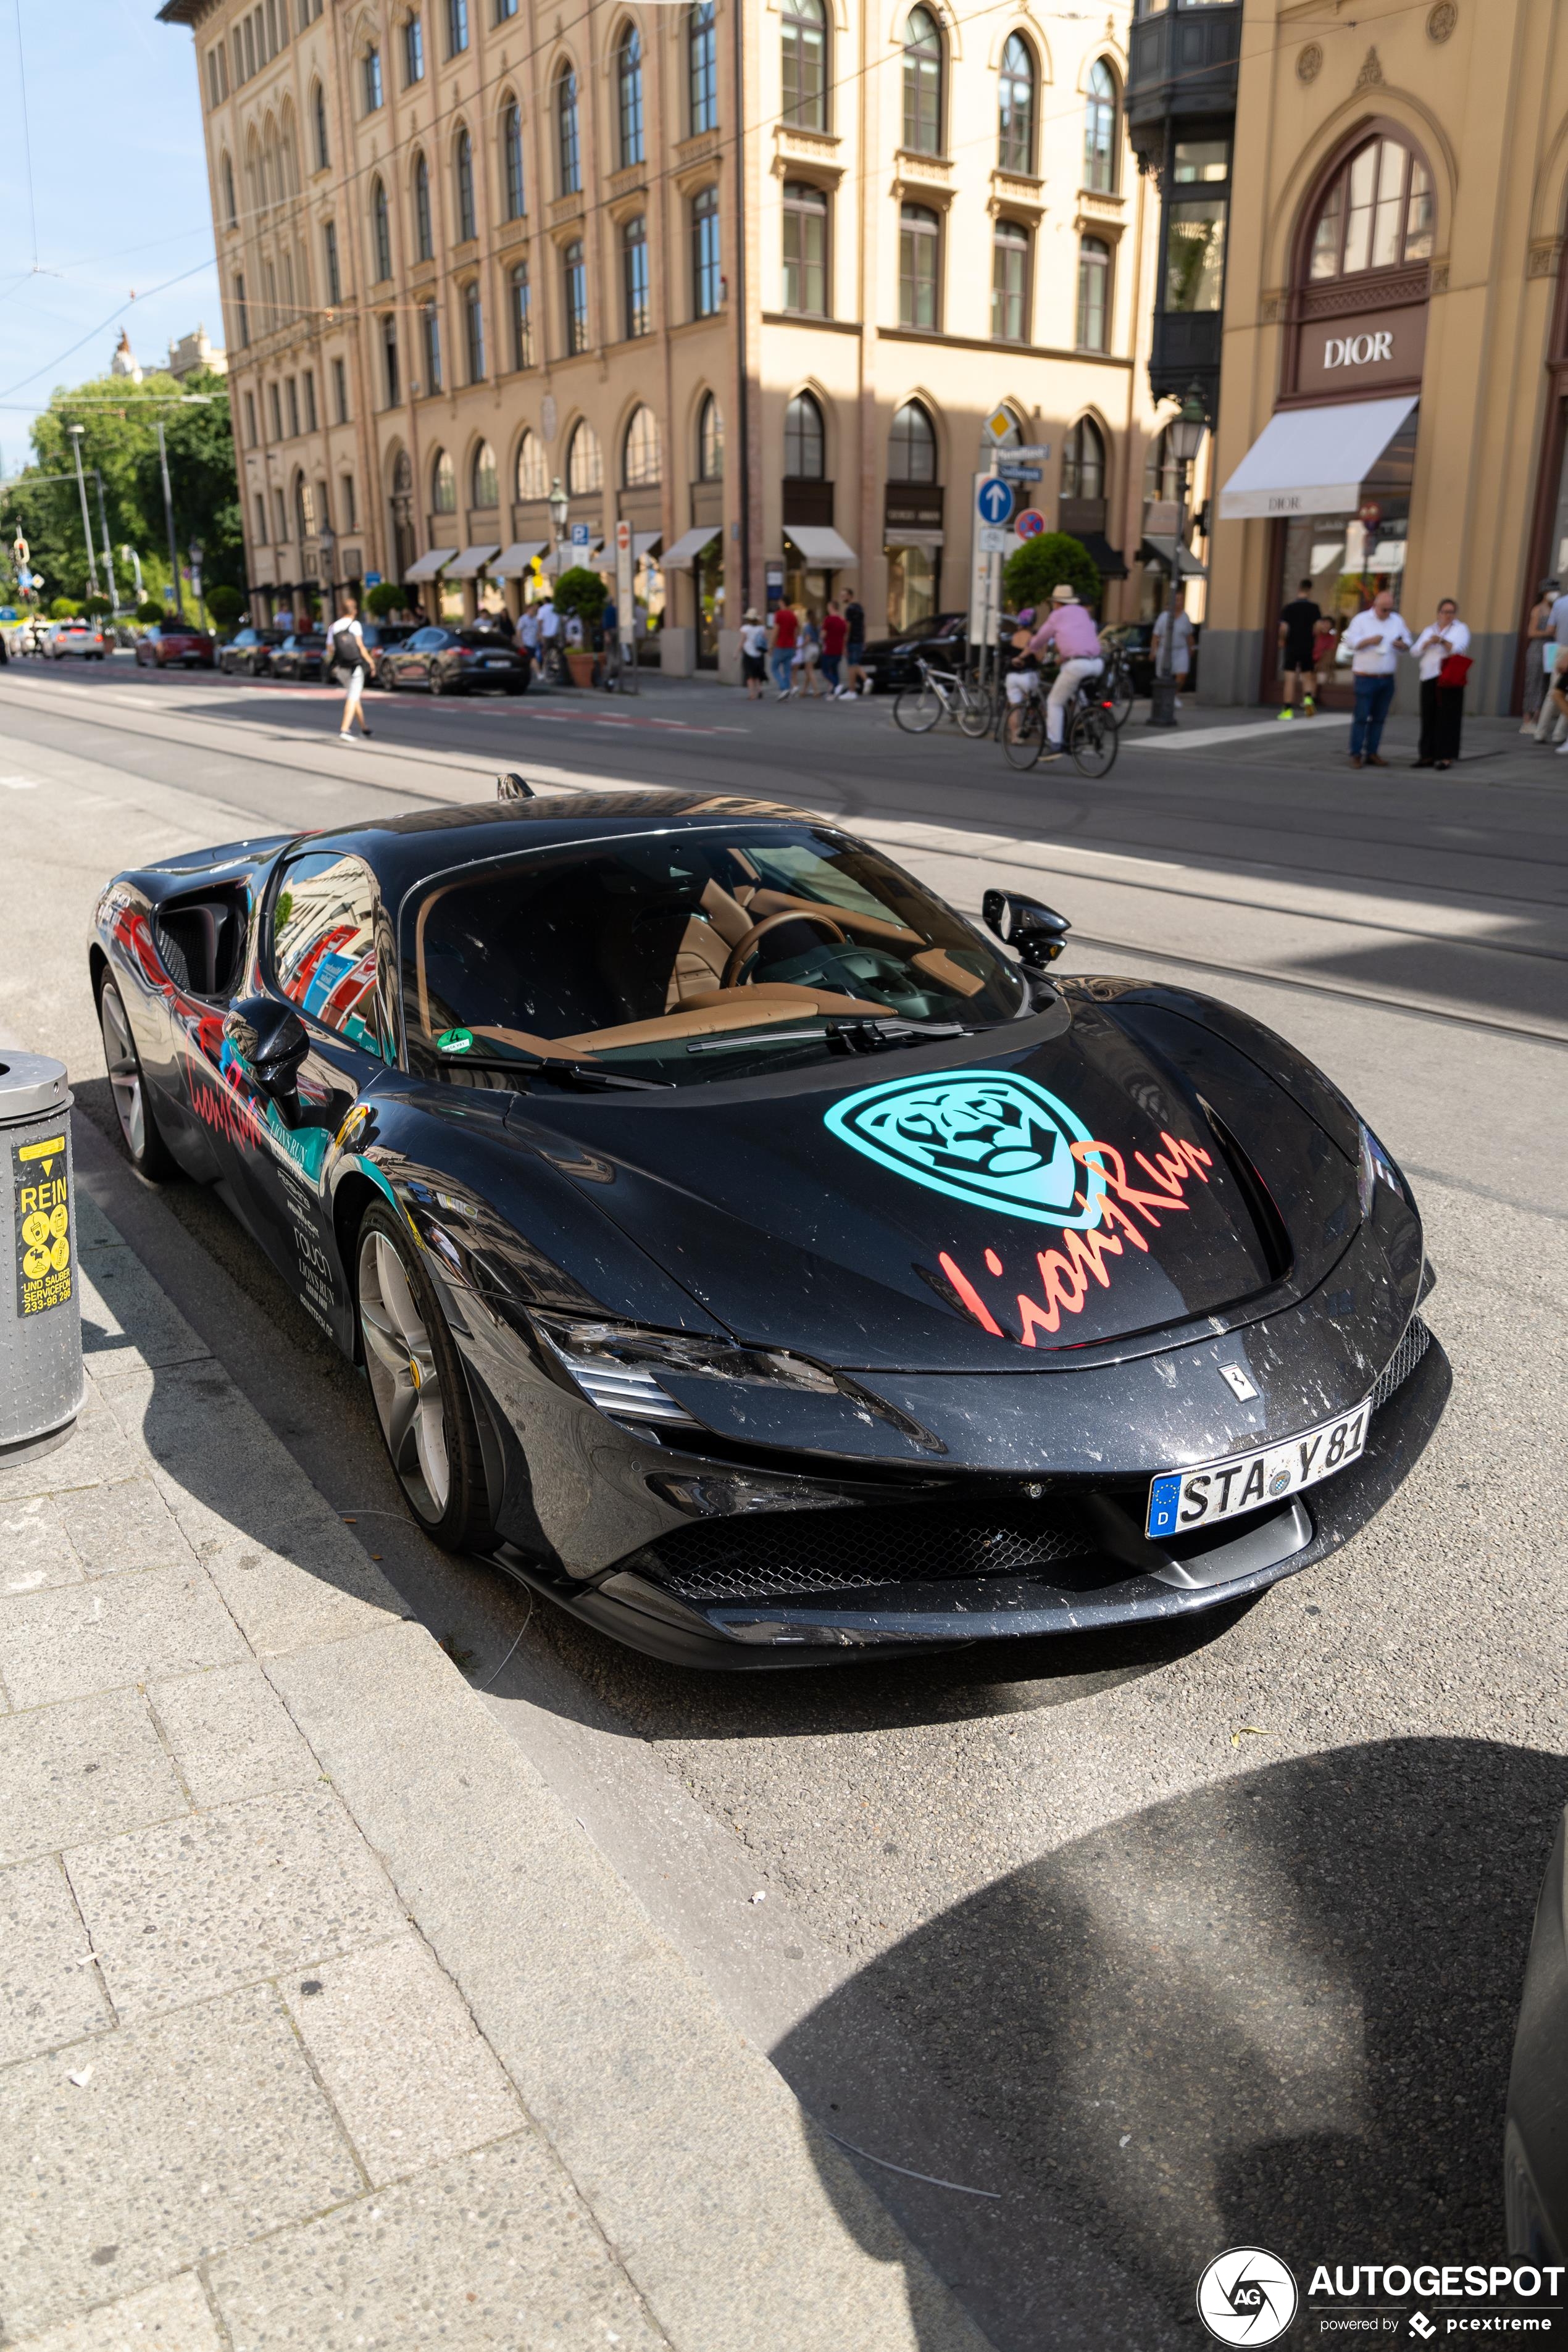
(1403, 1360)
(857, 1551)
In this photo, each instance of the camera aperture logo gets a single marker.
(1246, 2296)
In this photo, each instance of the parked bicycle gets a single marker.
(1116, 686)
(943, 694)
(1090, 737)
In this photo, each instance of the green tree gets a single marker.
(387, 598)
(64, 608)
(1045, 563)
(226, 604)
(149, 610)
(582, 592)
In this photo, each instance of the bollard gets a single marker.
(40, 1308)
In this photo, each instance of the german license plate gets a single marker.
(1183, 1501)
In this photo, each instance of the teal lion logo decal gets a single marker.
(987, 1137)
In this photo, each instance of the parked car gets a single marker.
(176, 641)
(301, 654)
(942, 640)
(1137, 636)
(84, 637)
(457, 661)
(248, 653)
(381, 637)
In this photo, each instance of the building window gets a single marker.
(702, 67)
(1100, 129)
(309, 400)
(1377, 215)
(292, 388)
(340, 393)
(334, 275)
(568, 147)
(922, 83)
(640, 464)
(318, 126)
(389, 362)
(380, 233)
(486, 483)
(574, 290)
(214, 86)
(241, 312)
(456, 27)
(707, 285)
(430, 341)
(1194, 254)
(463, 158)
(260, 520)
(280, 516)
(521, 319)
(584, 466)
(443, 483)
(349, 504)
(230, 207)
(911, 446)
(474, 331)
(1093, 293)
(803, 440)
(1164, 475)
(505, 8)
(250, 420)
(1010, 283)
(805, 250)
(414, 49)
(423, 227)
(920, 245)
(710, 441)
(512, 161)
(372, 70)
(804, 61)
(1083, 461)
(277, 408)
(1015, 108)
(628, 86)
(532, 474)
(634, 274)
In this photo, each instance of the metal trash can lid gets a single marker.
(30, 1084)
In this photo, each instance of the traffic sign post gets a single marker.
(1030, 523)
(626, 610)
(992, 508)
(992, 499)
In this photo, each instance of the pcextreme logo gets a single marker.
(1246, 2296)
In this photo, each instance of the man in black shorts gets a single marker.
(1296, 623)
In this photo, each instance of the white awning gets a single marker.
(429, 565)
(514, 562)
(820, 546)
(643, 542)
(689, 546)
(472, 561)
(1310, 461)
(1166, 548)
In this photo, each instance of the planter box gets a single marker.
(581, 665)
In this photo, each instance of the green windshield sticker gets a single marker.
(455, 1041)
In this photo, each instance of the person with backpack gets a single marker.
(351, 663)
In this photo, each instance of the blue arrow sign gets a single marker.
(994, 500)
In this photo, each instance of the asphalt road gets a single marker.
(1169, 1944)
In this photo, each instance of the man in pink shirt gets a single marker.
(1072, 629)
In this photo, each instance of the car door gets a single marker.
(415, 669)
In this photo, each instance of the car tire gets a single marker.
(518, 686)
(438, 685)
(145, 1145)
(418, 1388)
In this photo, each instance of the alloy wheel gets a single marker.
(124, 1071)
(405, 1377)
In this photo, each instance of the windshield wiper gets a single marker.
(863, 1034)
(573, 1074)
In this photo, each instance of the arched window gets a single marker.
(912, 445)
(1100, 129)
(230, 209)
(574, 296)
(1093, 293)
(920, 253)
(585, 466)
(485, 487)
(634, 274)
(521, 319)
(424, 235)
(1010, 283)
(1016, 107)
(568, 146)
(628, 92)
(710, 441)
(512, 161)
(463, 161)
(922, 83)
(706, 278)
(805, 64)
(532, 474)
(1083, 461)
(380, 232)
(443, 483)
(1378, 213)
(412, 50)
(640, 464)
(371, 71)
(804, 440)
(702, 67)
(805, 249)
(318, 126)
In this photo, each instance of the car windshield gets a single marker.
(687, 957)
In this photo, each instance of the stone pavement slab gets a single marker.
(89, 1770)
(51, 1992)
(230, 1735)
(112, 1631)
(173, 2317)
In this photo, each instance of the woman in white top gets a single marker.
(1443, 639)
(351, 664)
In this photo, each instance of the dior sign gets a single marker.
(1357, 351)
(1341, 355)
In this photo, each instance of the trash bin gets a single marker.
(40, 1309)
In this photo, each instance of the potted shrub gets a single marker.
(583, 593)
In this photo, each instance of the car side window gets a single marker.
(322, 938)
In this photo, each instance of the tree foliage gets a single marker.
(582, 592)
(1045, 563)
(225, 603)
(387, 598)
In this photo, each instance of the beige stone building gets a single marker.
(749, 277)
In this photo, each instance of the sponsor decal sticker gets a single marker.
(990, 1137)
(44, 1273)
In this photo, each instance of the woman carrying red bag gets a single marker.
(1443, 651)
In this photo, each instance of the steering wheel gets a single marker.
(743, 946)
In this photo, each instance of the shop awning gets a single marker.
(689, 546)
(471, 563)
(1108, 562)
(428, 566)
(514, 562)
(643, 542)
(1163, 551)
(820, 545)
(1310, 461)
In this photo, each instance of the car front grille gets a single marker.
(867, 1549)
(1402, 1362)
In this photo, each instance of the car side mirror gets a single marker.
(1038, 932)
(271, 1040)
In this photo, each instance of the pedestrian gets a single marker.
(1180, 633)
(856, 676)
(1541, 656)
(1297, 625)
(782, 640)
(1376, 639)
(834, 633)
(549, 637)
(808, 648)
(351, 664)
(1443, 651)
(1071, 629)
(753, 655)
(1325, 639)
(528, 632)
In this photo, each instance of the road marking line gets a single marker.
(1170, 738)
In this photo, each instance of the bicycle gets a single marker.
(1091, 740)
(943, 694)
(1116, 686)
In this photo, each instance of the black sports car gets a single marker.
(248, 651)
(457, 661)
(942, 640)
(301, 654)
(748, 1253)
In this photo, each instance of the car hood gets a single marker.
(1097, 1180)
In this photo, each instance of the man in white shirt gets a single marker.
(1441, 706)
(1181, 636)
(1376, 639)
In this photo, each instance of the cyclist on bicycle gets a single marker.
(1070, 630)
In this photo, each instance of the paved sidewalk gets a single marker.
(321, 2024)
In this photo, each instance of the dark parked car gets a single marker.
(84, 637)
(1137, 636)
(457, 661)
(248, 654)
(167, 642)
(942, 640)
(301, 655)
(381, 637)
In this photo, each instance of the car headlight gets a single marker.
(616, 1366)
(1375, 1166)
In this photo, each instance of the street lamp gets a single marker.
(76, 431)
(1185, 437)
